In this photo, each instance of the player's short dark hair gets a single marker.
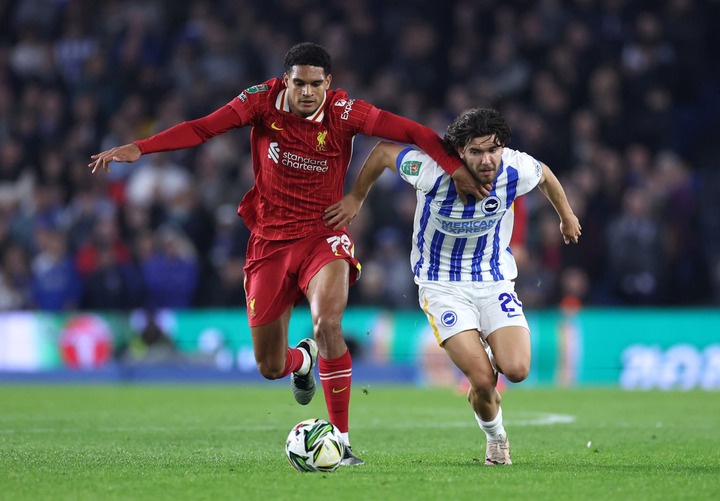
(476, 122)
(308, 54)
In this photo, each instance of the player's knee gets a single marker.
(270, 370)
(328, 326)
(516, 372)
(483, 385)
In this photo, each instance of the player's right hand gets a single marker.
(126, 153)
(343, 212)
(467, 184)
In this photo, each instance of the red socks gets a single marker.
(336, 376)
(293, 361)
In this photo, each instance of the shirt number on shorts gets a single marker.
(341, 241)
(507, 300)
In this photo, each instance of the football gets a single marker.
(315, 445)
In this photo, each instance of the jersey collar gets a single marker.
(282, 104)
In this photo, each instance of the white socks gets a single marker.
(305, 368)
(346, 438)
(493, 429)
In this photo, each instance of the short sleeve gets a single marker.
(418, 169)
(248, 103)
(529, 172)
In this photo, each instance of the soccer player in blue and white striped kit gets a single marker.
(461, 257)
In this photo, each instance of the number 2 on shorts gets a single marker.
(507, 300)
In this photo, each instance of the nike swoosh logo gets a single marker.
(515, 315)
(275, 127)
(335, 390)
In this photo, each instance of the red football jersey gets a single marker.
(299, 163)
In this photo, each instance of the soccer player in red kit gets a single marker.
(302, 138)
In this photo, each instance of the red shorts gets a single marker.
(278, 272)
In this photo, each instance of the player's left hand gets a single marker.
(570, 229)
(343, 212)
(466, 184)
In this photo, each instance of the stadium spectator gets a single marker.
(112, 284)
(169, 269)
(15, 279)
(636, 251)
(56, 284)
(17, 182)
(223, 280)
(105, 234)
(158, 182)
(461, 259)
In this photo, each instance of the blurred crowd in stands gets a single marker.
(621, 98)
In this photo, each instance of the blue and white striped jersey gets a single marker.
(456, 242)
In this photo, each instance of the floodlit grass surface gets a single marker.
(226, 442)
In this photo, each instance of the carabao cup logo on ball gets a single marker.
(448, 318)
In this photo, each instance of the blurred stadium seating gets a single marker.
(620, 98)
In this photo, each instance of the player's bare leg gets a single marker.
(270, 344)
(327, 294)
(276, 360)
(511, 348)
(467, 352)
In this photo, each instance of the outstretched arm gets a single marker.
(553, 190)
(183, 135)
(397, 128)
(382, 157)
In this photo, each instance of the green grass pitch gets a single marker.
(215, 442)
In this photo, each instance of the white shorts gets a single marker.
(454, 307)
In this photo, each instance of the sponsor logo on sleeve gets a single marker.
(538, 169)
(411, 167)
(348, 108)
(242, 96)
(256, 88)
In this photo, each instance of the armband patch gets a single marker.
(411, 167)
(256, 88)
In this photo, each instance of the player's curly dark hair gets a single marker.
(308, 54)
(476, 122)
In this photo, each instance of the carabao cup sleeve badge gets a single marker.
(411, 167)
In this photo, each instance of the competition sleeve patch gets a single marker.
(399, 160)
(411, 167)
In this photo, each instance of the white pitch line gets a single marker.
(524, 419)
